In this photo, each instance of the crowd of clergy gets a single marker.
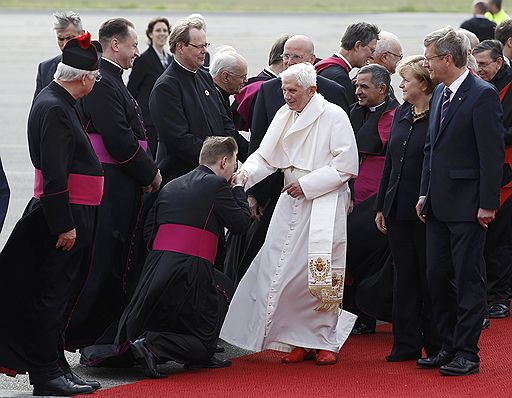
(195, 205)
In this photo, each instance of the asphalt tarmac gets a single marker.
(28, 38)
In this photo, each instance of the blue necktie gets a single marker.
(446, 104)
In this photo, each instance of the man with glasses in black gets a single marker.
(184, 103)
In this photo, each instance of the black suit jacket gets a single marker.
(464, 156)
(339, 75)
(185, 109)
(400, 182)
(268, 101)
(146, 70)
(45, 72)
(481, 27)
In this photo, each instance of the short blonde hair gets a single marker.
(415, 64)
(215, 148)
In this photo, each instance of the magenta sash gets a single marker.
(104, 155)
(186, 240)
(330, 61)
(83, 189)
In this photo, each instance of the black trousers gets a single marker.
(413, 328)
(456, 279)
(498, 255)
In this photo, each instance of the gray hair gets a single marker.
(448, 41)
(63, 19)
(304, 73)
(225, 60)
(67, 73)
(388, 42)
(199, 18)
(380, 75)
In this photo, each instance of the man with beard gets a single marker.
(113, 121)
(498, 243)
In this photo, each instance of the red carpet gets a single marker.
(361, 372)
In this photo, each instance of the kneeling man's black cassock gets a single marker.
(181, 301)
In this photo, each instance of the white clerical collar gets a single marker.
(456, 84)
(507, 61)
(344, 59)
(112, 62)
(374, 108)
(270, 72)
(184, 67)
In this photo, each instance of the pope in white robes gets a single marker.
(289, 299)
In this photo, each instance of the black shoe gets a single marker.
(403, 357)
(219, 349)
(212, 363)
(460, 367)
(486, 323)
(60, 387)
(436, 361)
(362, 328)
(145, 359)
(72, 376)
(498, 310)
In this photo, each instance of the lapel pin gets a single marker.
(207, 93)
(460, 99)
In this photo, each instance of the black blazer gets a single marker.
(45, 72)
(339, 75)
(464, 156)
(481, 27)
(400, 183)
(146, 70)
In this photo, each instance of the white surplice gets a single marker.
(272, 307)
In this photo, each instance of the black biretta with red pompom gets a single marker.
(82, 53)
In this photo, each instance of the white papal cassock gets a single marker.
(272, 307)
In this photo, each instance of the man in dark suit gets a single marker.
(479, 24)
(263, 197)
(67, 26)
(357, 46)
(459, 195)
(184, 104)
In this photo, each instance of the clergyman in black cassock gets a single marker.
(45, 261)
(181, 301)
(114, 124)
(184, 104)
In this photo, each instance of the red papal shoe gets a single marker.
(325, 357)
(298, 354)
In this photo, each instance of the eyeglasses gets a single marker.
(484, 65)
(243, 77)
(428, 59)
(399, 56)
(293, 57)
(199, 46)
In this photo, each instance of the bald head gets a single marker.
(388, 51)
(297, 49)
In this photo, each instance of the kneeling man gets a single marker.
(180, 302)
(289, 299)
